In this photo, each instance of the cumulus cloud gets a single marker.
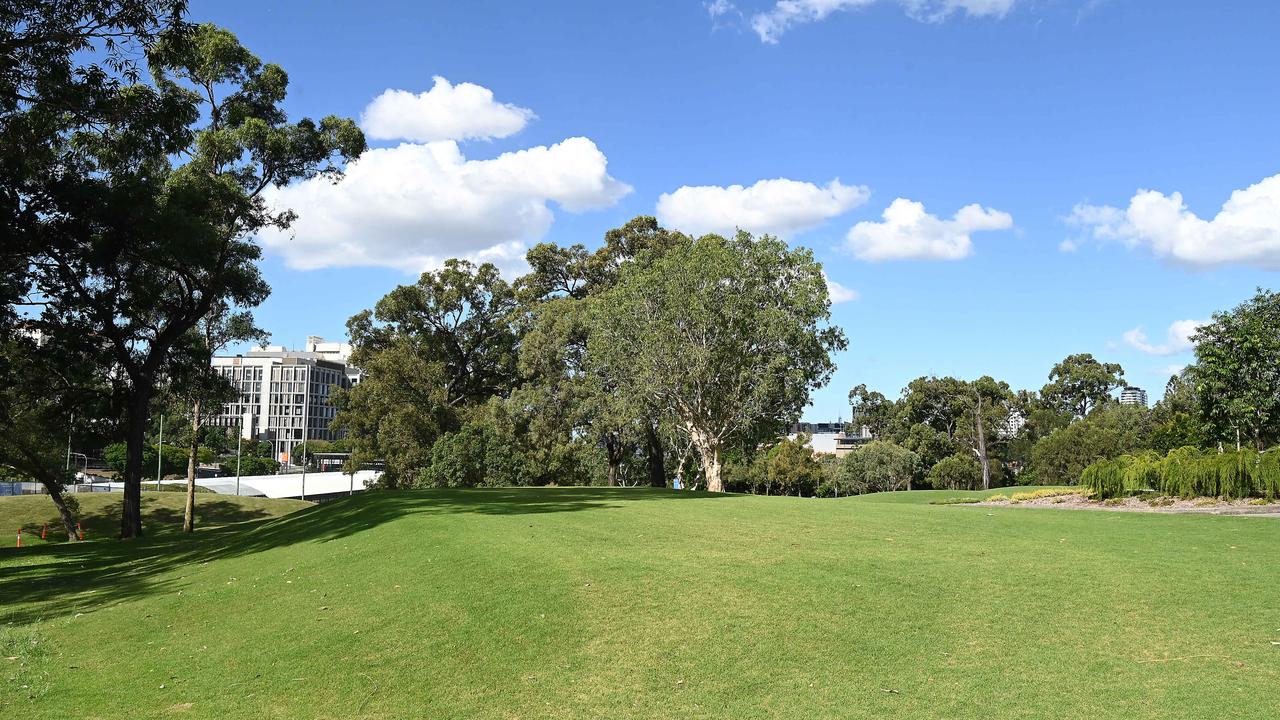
(785, 14)
(445, 112)
(1177, 338)
(910, 233)
(777, 207)
(1246, 231)
(839, 293)
(415, 205)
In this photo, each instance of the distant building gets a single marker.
(1012, 425)
(830, 437)
(284, 394)
(1133, 396)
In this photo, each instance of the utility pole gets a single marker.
(159, 453)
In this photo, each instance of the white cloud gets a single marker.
(415, 205)
(771, 24)
(1245, 232)
(719, 8)
(839, 293)
(910, 233)
(777, 207)
(445, 112)
(1177, 338)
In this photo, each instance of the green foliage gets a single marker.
(1235, 374)
(480, 454)
(1188, 473)
(250, 465)
(877, 466)
(725, 368)
(1108, 432)
(174, 462)
(1080, 383)
(956, 472)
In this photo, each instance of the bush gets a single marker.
(875, 467)
(957, 472)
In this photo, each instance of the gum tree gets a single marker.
(723, 337)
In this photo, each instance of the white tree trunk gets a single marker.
(709, 452)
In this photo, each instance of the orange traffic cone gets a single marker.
(43, 530)
(19, 537)
(78, 530)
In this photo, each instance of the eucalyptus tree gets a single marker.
(1081, 383)
(1237, 372)
(720, 336)
(158, 228)
(427, 351)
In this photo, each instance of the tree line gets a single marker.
(657, 355)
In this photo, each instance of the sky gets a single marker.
(990, 185)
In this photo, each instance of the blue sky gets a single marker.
(1048, 117)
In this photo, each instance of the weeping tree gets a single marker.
(721, 336)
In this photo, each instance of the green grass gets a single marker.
(612, 603)
(161, 513)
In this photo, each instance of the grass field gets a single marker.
(601, 603)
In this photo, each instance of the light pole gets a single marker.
(239, 439)
(159, 452)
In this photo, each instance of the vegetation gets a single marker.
(593, 602)
(1188, 472)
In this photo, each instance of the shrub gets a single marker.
(957, 472)
(1186, 472)
(955, 501)
(1045, 493)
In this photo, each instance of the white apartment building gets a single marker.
(1133, 396)
(284, 394)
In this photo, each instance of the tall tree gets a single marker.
(1237, 372)
(427, 351)
(986, 402)
(144, 249)
(722, 336)
(1081, 383)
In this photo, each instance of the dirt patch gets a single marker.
(1208, 506)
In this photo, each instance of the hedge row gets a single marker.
(1188, 472)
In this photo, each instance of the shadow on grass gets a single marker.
(57, 578)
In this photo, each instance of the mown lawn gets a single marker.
(629, 603)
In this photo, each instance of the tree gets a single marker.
(427, 351)
(877, 466)
(986, 402)
(723, 337)
(791, 467)
(1080, 383)
(40, 395)
(1176, 420)
(956, 472)
(203, 390)
(1237, 372)
(143, 249)
(556, 294)
(1109, 432)
(871, 409)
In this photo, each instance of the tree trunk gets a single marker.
(135, 440)
(613, 472)
(189, 515)
(709, 452)
(68, 520)
(657, 460)
(982, 447)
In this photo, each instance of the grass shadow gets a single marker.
(59, 578)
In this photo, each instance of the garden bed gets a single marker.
(1079, 501)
